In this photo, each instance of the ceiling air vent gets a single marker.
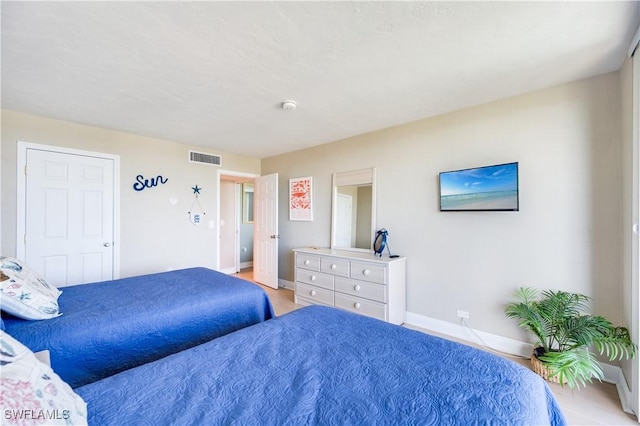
(203, 158)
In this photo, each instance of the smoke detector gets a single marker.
(288, 105)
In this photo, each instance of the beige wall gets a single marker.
(567, 234)
(155, 235)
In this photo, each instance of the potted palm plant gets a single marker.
(566, 335)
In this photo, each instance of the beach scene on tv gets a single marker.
(482, 188)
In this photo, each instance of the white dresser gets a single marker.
(354, 281)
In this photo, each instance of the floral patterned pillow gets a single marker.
(24, 294)
(31, 393)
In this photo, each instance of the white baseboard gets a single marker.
(244, 265)
(624, 393)
(499, 343)
(612, 373)
(286, 284)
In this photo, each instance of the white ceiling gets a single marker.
(214, 73)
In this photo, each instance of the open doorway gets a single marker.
(265, 233)
(235, 224)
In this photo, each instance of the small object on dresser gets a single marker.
(380, 241)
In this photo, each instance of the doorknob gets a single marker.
(275, 236)
(107, 244)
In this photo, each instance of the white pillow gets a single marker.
(24, 294)
(31, 393)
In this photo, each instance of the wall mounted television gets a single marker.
(488, 188)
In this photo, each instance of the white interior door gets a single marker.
(69, 217)
(265, 246)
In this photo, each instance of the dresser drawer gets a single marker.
(314, 294)
(334, 266)
(360, 306)
(363, 289)
(307, 261)
(317, 279)
(368, 272)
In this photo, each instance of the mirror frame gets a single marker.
(356, 177)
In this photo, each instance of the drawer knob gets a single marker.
(356, 305)
(356, 288)
(365, 272)
(306, 262)
(313, 277)
(334, 266)
(313, 292)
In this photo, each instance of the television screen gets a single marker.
(489, 188)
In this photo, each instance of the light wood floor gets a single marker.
(597, 404)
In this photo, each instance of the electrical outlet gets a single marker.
(463, 314)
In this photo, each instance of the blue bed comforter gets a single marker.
(111, 326)
(319, 365)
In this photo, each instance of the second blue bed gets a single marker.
(319, 365)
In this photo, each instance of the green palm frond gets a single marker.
(530, 318)
(576, 366)
(582, 330)
(616, 344)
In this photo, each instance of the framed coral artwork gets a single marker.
(300, 199)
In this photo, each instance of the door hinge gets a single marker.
(25, 170)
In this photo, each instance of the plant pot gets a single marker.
(541, 369)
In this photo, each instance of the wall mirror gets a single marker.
(353, 216)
